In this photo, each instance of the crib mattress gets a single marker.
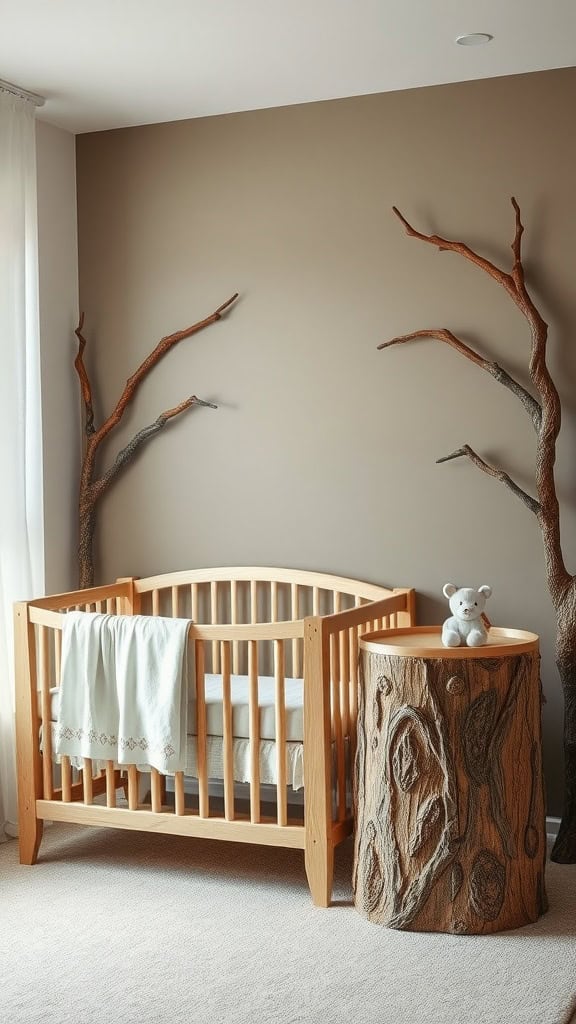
(239, 688)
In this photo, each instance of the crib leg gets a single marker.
(29, 838)
(30, 828)
(319, 863)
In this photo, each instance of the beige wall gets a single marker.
(322, 452)
(58, 293)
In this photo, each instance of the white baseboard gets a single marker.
(552, 826)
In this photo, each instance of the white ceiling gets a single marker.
(111, 63)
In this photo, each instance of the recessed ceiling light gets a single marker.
(474, 39)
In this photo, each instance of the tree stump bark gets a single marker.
(449, 798)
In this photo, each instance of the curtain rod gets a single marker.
(34, 98)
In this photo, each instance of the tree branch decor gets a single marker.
(545, 414)
(92, 486)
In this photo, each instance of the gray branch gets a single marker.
(499, 474)
(127, 454)
(533, 407)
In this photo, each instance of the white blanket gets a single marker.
(123, 695)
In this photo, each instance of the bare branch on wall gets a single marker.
(546, 418)
(92, 485)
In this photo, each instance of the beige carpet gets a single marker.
(126, 928)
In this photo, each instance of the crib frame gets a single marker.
(323, 648)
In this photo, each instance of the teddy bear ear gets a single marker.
(448, 589)
(487, 591)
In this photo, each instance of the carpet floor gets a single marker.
(128, 928)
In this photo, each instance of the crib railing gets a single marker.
(331, 697)
(242, 624)
(330, 706)
(251, 594)
(67, 784)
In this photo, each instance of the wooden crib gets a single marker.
(250, 622)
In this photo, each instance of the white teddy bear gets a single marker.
(465, 625)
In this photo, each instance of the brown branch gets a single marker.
(92, 487)
(559, 579)
(449, 245)
(561, 585)
(163, 346)
(557, 575)
(442, 334)
(499, 474)
(517, 269)
(85, 388)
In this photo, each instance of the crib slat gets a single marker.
(214, 621)
(155, 789)
(234, 620)
(344, 680)
(174, 602)
(179, 801)
(194, 601)
(110, 784)
(201, 731)
(337, 723)
(44, 674)
(280, 731)
(294, 596)
(132, 787)
(315, 601)
(254, 731)
(155, 602)
(353, 688)
(227, 733)
(87, 780)
(253, 604)
(66, 774)
(57, 654)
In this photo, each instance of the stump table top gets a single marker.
(426, 642)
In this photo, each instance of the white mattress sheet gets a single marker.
(240, 688)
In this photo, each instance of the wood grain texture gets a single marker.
(92, 486)
(329, 686)
(449, 801)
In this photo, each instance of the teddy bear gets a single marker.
(465, 625)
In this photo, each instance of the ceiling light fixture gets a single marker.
(474, 39)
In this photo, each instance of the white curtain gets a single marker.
(21, 529)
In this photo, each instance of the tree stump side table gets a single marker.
(449, 798)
